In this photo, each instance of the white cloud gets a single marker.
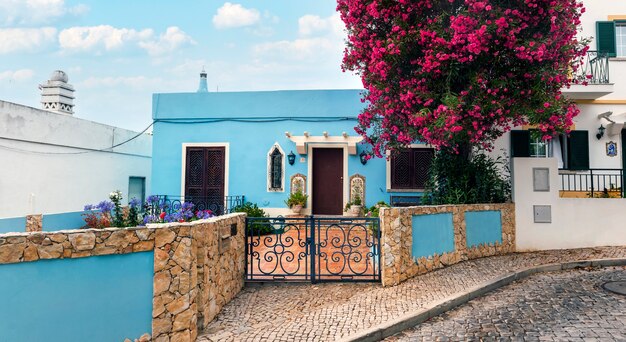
(172, 39)
(36, 12)
(106, 38)
(319, 40)
(312, 24)
(234, 15)
(25, 40)
(99, 38)
(17, 75)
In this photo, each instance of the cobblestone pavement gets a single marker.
(327, 312)
(556, 306)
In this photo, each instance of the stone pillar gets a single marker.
(34, 223)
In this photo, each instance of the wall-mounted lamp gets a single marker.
(291, 158)
(363, 157)
(600, 133)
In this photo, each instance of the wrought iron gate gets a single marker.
(312, 249)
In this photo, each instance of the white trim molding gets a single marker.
(269, 188)
(388, 170)
(226, 147)
(302, 141)
(309, 180)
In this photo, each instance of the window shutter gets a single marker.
(401, 170)
(422, 160)
(605, 37)
(578, 150)
(520, 144)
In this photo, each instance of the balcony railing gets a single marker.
(594, 68)
(593, 183)
(170, 204)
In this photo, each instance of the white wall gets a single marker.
(576, 222)
(35, 178)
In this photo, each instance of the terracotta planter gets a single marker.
(296, 209)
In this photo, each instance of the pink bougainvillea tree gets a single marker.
(460, 73)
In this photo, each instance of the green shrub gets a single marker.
(456, 180)
(296, 198)
(256, 227)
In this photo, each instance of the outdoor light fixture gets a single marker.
(600, 133)
(363, 157)
(291, 158)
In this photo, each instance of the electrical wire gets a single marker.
(106, 149)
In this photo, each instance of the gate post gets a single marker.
(312, 247)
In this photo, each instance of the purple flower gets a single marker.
(134, 203)
(105, 206)
(89, 207)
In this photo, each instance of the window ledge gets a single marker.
(618, 59)
(406, 190)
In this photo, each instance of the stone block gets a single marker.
(83, 241)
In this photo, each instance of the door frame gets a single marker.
(226, 147)
(309, 180)
(623, 155)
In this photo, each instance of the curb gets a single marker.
(433, 309)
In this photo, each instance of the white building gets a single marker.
(604, 96)
(54, 162)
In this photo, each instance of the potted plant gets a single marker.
(296, 201)
(356, 206)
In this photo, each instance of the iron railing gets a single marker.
(315, 249)
(170, 204)
(593, 182)
(594, 68)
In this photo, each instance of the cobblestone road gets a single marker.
(327, 312)
(557, 306)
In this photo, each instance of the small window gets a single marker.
(137, 188)
(529, 143)
(410, 167)
(539, 148)
(275, 168)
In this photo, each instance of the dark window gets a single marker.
(409, 168)
(137, 188)
(520, 144)
(276, 170)
(578, 150)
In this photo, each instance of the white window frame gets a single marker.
(388, 167)
(620, 39)
(276, 145)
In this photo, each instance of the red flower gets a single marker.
(181, 220)
(162, 216)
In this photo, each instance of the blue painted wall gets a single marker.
(432, 234)
(50, 222)
(63, 221)
(221, 117)
(103, 298)
(483, 227)
(12, 224)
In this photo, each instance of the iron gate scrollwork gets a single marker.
(312, 249)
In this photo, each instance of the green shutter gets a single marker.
(520, 144)
(578, 150)
(605, 37)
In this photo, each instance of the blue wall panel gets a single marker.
(12, 224)
(334, 111)
(63, 221)
(103, 298)
(483, 227)
(432, 234)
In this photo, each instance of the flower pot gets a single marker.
(355, 210)
(296, 209)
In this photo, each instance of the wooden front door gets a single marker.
(327, 181)
(204, 178)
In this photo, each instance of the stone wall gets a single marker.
(198, 266)
(398, 264)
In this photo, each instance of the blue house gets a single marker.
(266, 144)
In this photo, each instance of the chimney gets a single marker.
(203, 87)
(57, 95)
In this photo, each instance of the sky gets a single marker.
(118, 53)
